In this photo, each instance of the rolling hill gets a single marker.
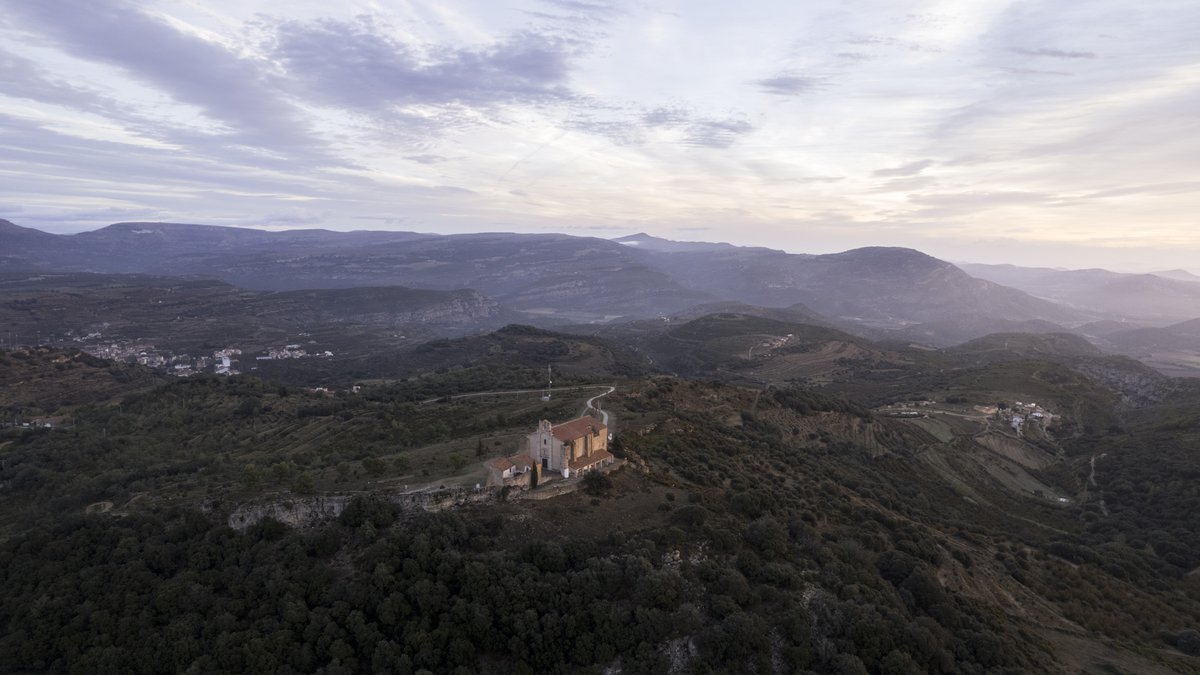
(1173, 349)
(750, 348)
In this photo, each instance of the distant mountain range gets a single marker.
(570, 278)
(1178, 275)
(555, 279)
(1165, 297)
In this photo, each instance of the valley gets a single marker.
(556, 281)
(1015, 521)
(800, 487)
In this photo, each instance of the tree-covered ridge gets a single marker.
(1124, 575)
(201, 438)
(38, 382)
(778, 530)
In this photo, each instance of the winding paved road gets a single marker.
(591, 405)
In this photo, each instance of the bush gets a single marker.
(597, 483)
(1188, 642)
(689, 516)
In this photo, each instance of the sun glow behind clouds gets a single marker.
(1030, 132)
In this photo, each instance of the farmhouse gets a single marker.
(574, 447)
(517, 470)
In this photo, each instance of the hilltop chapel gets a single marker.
(571, 448)
(574, 447)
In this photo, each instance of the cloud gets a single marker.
(981, 198)
(789, 84)
(357, 66)
(1034, 71)
(715, 133)
(294, 217)
(630, 128)
(386, 220)
(43, 154)
(454, 189)
(956, 204)
(578, 11)
(427, 158)
(1054, 53)
(232, 90)
(583, 7)
(910, 169)
(706, 132)
(886, 41)
(1183, 187)
(666, 117)
(906, 184)
(818, 179)
(22, 78)
(622, 132)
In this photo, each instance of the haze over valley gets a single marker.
(445, 285)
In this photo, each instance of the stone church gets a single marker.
(570, 448)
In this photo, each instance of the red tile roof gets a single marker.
(514, 462)
(577, 428)
(595, 458)
(522, 461)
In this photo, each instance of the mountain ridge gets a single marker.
(560, 278)
(1142, 297)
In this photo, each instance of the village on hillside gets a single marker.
(1020, 416)
(221, 362)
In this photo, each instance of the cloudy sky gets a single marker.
(1038, 132)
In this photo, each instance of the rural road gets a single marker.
(591, 404)
(519, 391)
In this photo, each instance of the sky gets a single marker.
(1038, 132)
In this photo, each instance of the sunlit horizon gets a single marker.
(1029, 133)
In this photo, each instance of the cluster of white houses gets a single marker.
(568, 449)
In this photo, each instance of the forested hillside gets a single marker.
(750, 530)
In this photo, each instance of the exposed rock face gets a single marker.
(315, 510)
(1138, 384)
(465, 308)
(296, 512)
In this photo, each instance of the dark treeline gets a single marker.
(173, 593)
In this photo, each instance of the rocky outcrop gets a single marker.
(311, 511)
(294, 511)
(1137, 384)
(465, 307)
(298, 511)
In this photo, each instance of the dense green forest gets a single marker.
(779, 530)
(203, 437)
